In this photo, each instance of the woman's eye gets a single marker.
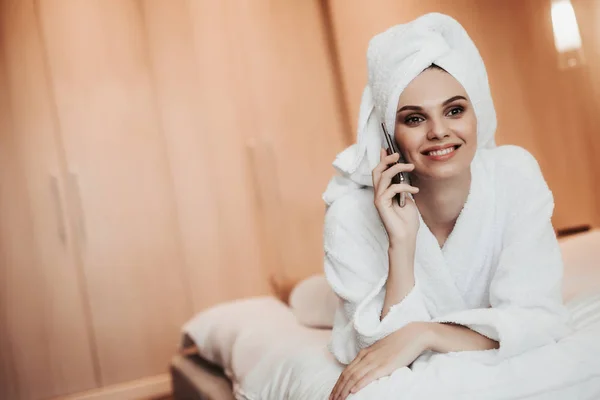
(455, 111)
(413, 120)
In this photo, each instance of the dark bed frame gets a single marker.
(194, 378)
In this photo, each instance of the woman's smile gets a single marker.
(443, 154)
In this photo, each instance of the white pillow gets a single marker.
(217, 330)
(313, 302)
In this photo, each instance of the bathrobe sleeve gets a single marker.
(525, 293)
(356, 267)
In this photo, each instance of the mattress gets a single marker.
(266, 354)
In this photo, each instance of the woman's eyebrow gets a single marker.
(414, 108)
(418, 108)
(451, 99)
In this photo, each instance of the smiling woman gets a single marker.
(451, 270)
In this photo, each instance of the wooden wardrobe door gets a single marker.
(292, 119)
(45, 341)
(12, 194)
(250, 113)
(120, 179)
(204, 120)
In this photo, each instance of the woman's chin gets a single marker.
(445, 171)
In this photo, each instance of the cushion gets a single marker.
(216, 331)
(581, 255)
(314, 303)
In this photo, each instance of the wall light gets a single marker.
(567, 39)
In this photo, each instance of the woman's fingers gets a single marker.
(371, 376)
(396, 168)
(348, 376)
(387, 175)
(386, 160)
(383, 165)
(396, 188)
(362, 369)
(335, 392)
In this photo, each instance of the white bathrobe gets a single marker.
(499, 272)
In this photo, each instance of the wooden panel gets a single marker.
(120, 180)
(199, 116)
(252, 129)
(15, 224)
(43, 314)
(535, 102)
(153, 387)
(588, 91)
(563, 123)
(290, 104)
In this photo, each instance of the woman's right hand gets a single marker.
(401, 223)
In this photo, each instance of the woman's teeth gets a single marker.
(441, 152)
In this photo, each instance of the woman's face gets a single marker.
(436, 127)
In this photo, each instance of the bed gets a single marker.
(194, 378)
(252, 348)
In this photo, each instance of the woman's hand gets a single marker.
(397, 350)
(401, 223)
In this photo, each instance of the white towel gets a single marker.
(498, 273)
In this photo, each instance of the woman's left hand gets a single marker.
(397, 350)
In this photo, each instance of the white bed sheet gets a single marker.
(268, 355)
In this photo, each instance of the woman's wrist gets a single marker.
(435, 338)
(401, 257)
(400, 280)
(402, 244)
(426, 335)
(445, 338)
(431, 336)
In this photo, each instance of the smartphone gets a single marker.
(399, 177)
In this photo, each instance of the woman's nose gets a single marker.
(437, 129)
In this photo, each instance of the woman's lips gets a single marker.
(442, 155)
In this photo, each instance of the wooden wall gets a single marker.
(157, 158)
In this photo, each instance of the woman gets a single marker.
(471, 262)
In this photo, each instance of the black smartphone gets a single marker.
(399, 177)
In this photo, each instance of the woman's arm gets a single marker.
(402, 347)
(446, 338)
(401, 278)
(357, 267)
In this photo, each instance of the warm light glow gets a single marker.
(564, 23)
